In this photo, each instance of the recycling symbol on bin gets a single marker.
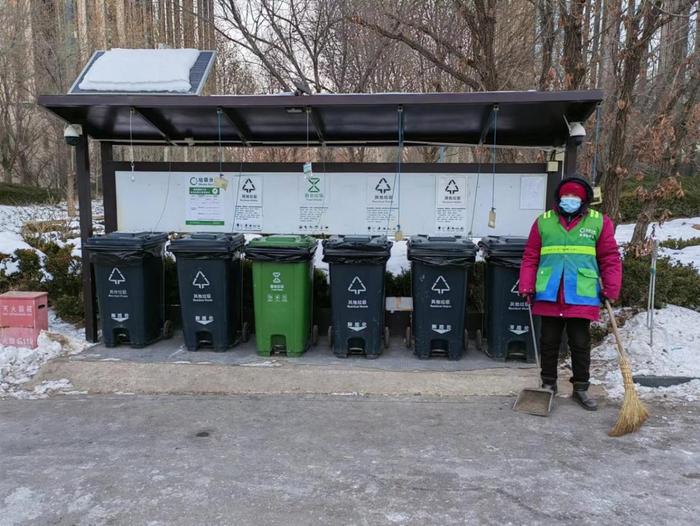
(514, 288)
(452, 187)
(200, 280)
(356, 286)
(248, 186)
(440, 286)
(276, 277)
(116, 276)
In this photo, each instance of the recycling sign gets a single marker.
(200, 280)
(356, 286)
(440, 286)
(116, 276)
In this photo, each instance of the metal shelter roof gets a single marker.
(524, 118)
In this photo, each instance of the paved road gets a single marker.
(289, 460)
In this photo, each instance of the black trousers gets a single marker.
(579, 337)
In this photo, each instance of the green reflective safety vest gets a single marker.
(568, 258)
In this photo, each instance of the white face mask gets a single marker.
(570, 204)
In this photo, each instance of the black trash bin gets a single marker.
(129, 283)
(508, 328)
(439, 285)
(357, 265)
(209, 277)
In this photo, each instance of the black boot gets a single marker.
(550, 383)
(581, 396)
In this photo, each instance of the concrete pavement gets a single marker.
(338, 460)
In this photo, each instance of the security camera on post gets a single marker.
(72, 133)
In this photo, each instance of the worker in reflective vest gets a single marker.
(571, 261)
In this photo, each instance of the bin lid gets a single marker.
(126, 241)
(281, 248)
(442, 250)
(207, 242)
(339, 249)
(503, 246)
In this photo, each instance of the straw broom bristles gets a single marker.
(633, 413)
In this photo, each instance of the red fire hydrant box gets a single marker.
(24, 309)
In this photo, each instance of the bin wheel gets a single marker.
(407, 338)
(314, 335)
(330, 336)
(168, 329)
(245, 332)
(478, 340)
(387, 337)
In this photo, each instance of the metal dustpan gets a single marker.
(535, 401)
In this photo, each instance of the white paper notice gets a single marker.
(382, 210)
(313, 198)
(533, 189)
(248, 216)
(204, 204)
(451, 199)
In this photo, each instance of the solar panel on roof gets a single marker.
(122, 83)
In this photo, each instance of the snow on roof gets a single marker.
(141, 70)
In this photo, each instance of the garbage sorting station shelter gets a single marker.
(527, 119)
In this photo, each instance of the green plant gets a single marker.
(397, 284)
(676, 284)
(688, 206)
(679, 244)
(15, 194)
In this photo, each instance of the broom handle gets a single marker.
(613, 323)
(534, 337)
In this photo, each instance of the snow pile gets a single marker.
(141, 70)
(676, 352)
(684, 228)
(18, 364)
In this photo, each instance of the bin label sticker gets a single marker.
(200, 280)
(204, 320)
(277, 298)
(205, 201)
(119, 317)
(450, 204)
(518, 329)
(277, 281)
(357, 326)
(116, 276)
(201, 298)
(357, 304)
(440, 304)
(248, 211)
(440, 328)
(440, 286)
(356, 286)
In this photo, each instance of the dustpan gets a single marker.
(534, 401)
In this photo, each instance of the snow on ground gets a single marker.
(683, 228)
(676, 352)
(18, 364)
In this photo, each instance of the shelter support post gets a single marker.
(82, 169)
(570, 157)
(109, 187)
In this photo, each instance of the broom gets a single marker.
(633, 413)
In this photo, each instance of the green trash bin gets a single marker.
(282, 292)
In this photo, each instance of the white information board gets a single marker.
(329, 203)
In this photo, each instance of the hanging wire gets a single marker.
(493, 158)
(397, 176)
(476, 191)
(594, 166)
(219, 111)
(131, 142)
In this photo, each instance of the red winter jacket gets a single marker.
(607, 254)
